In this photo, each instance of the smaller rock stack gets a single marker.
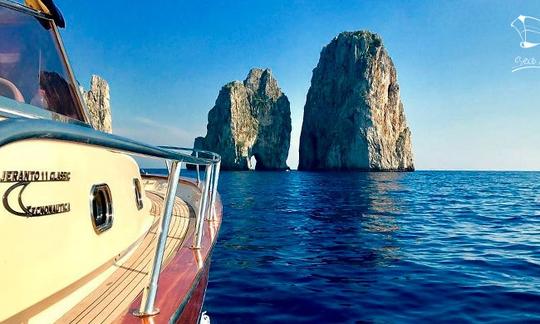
(99, 104)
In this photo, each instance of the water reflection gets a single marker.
(350, 220)
(382, 209)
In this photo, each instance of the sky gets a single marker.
(166, 62)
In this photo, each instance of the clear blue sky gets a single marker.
(166, 62)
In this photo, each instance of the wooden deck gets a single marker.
(118, 292)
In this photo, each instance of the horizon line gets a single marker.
(417, 170)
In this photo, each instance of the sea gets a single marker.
(303, 247)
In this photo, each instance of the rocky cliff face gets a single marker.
(354, 118)
(99, 104)
(250, 119)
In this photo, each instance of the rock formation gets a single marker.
(250, 119)
(99, 104)
(354, 118)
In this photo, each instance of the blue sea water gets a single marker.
(377, 247)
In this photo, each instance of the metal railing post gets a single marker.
(202, 209)
(210, 190)
(215, 177)
(149, 294)
(168, 165)
(197, 168)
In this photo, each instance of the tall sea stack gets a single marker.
(354, 118)
(250, 119)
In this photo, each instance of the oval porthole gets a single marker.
(138, 193)
(101, 210)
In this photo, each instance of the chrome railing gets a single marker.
(214, 170)
(19, 129)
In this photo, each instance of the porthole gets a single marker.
(101, 210)
(138, 193)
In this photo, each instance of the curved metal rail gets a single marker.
(19, 129)
(216, 159)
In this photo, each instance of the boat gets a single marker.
(86, 235)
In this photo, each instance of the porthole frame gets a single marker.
(106, 191)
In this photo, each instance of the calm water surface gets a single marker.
(377, 247)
